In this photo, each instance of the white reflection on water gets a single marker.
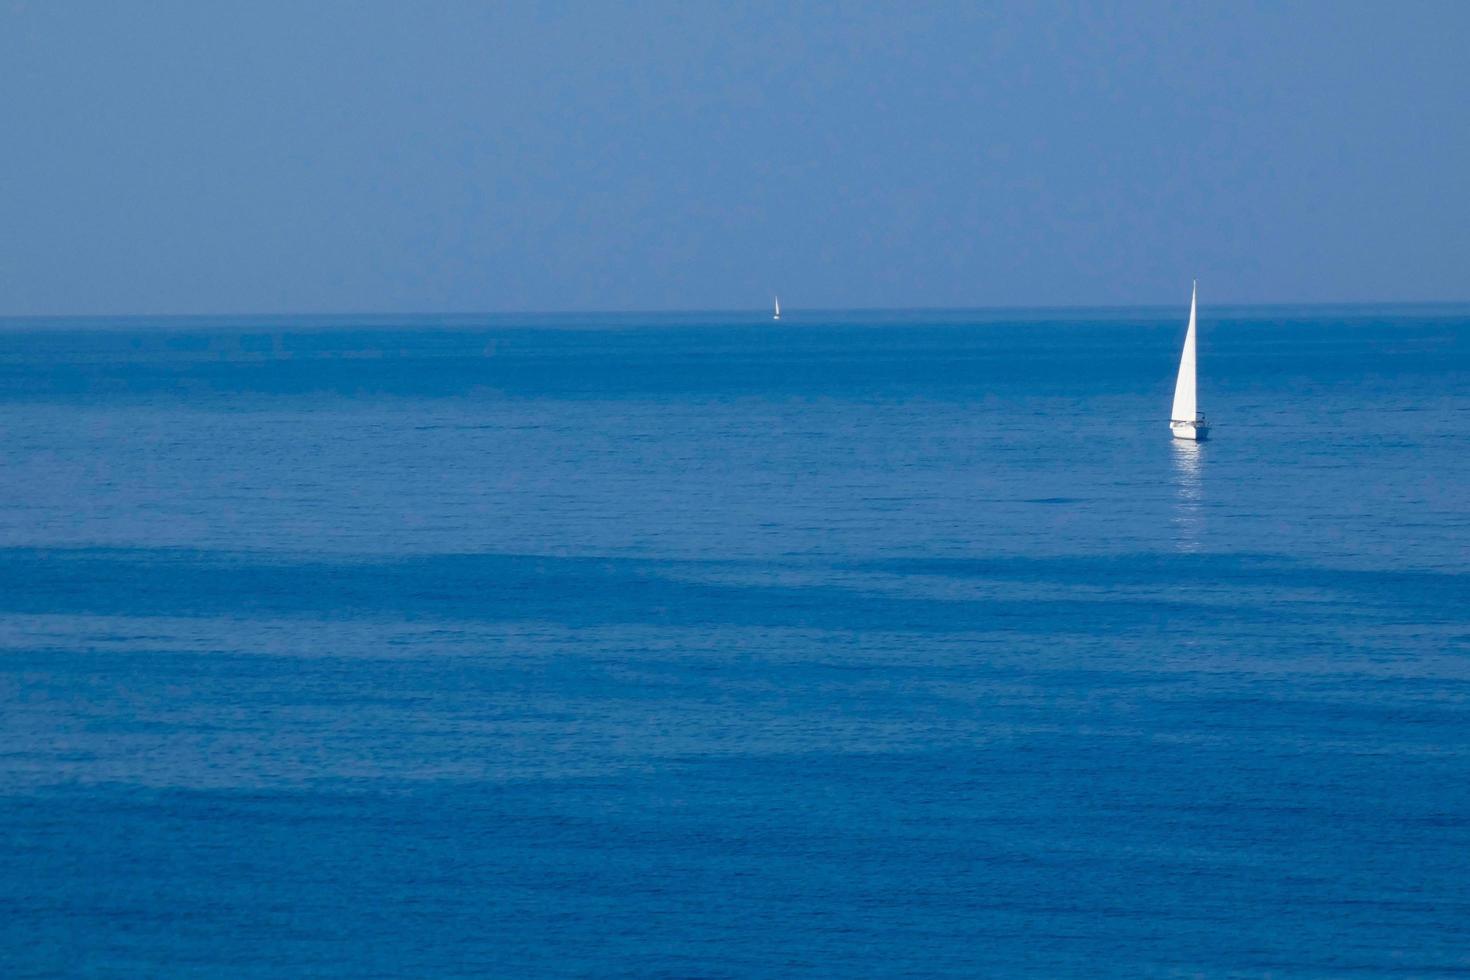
(1188, 493)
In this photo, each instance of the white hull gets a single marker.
(1193, 431)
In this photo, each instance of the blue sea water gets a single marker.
(857, 644)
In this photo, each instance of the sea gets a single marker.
(900, 643)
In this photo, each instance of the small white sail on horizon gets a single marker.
(1185, 422)
(777, 314)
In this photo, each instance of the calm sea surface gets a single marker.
(706, 646)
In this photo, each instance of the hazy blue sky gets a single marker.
(319, 156)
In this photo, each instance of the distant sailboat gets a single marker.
(777, 314)
(1185, 421)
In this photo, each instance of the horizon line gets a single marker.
(688, 311)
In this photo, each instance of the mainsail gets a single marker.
(1185, 409)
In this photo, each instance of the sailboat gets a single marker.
(777, 314)
(1185, 421)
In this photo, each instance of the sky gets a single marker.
(203, 157)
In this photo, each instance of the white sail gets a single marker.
(777, 316)
(1185, 409)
